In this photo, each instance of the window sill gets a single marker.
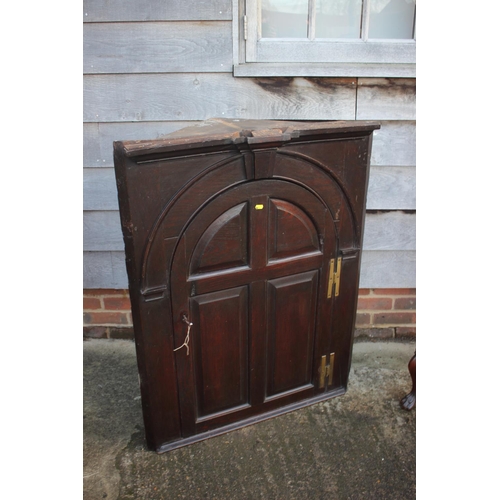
(369, 70)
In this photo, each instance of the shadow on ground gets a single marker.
(357, 446)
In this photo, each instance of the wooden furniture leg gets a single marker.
(408, 402)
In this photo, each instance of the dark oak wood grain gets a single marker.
(231, 274)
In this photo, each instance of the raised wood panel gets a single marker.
(391, 188)
(286, 219)
(160, 47)
(379, 269)
(199, 96)
(383, 231)
(220, 345)
(394, 144)
(155, 10)
(98, 138)
(224, 244)
(290, 331)
(386, 99)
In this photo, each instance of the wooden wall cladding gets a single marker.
(388, 99)
(155, 10)
(104, 270)
(201, 96)
(388, 269)
(158, 47)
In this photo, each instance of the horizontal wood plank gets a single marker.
(394, 144)
(102, 231)
(199, 96)
(155, 10)
(383, 231)
(389, 188)
(388, 269)
(99, 189)
(104, 270)
(160, 47)
(386, 99)
(379, 269)
(394, 230)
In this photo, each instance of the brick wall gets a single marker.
(106, 314)
(386, 313)
(382, 313)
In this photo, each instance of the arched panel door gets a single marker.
(251, 274)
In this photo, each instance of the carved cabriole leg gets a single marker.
(408, 402)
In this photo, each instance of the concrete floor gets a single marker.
(357, 446)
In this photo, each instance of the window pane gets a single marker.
(284, 18)
(338, 18)
(391, 18)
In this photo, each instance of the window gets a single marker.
(326, 38)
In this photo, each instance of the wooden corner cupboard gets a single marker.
(243, 244)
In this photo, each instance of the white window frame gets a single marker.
(302, 57)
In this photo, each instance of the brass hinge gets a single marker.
(245, 27)
(334, 278)
(326, 371)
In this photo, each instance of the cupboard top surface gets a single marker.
(218, 132)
